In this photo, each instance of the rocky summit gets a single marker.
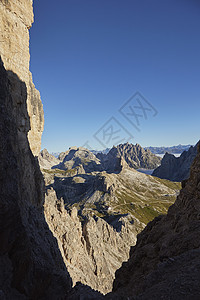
(92, 251)
(77, 157)
(134, 156)
(176, 168)
(47, 160)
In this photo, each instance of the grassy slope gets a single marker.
(141, 195)
(146, 200)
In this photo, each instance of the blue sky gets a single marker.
(89, 57)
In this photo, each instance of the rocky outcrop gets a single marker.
(133, 156)
(16, 18)
(28, 250)
(92, 251)
(76, 157)
(47, 160)
(30, 261)
(176, 168)
(164, 264)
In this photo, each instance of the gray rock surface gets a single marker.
(176, 168)
(134, 156)
(76, 157)
(93, 250)
(46, 160)
(16, 18)
(30, 262)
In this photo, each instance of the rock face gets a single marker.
(46, 160)
(30, 261)
(28, 250)
(176, 168)
(76, 157)
(16, 18)
(133, 155)
(92, 251)
(164, 264)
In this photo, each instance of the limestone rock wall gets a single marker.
(92, 252)
(16, 18)
(30, 261)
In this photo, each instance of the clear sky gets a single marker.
(89, 57)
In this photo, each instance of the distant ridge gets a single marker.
(155, 150)
(134, 156)
(176, 168)
(173, 149)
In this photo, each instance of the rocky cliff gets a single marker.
(30, 261)
(47, 160)
(79, 157)
(16, 18)
(176, 168)
(133, 156)
(164, 264)
(92, 251)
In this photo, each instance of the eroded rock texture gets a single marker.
(176, 168)
(133, 156)
(30, 262)
(16, 18)
(164, 264)
(92, 251)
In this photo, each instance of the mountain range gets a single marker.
(176, 168)
(75, 227)
(103, 191)
(172, 149)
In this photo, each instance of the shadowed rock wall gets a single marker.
(30, 261)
